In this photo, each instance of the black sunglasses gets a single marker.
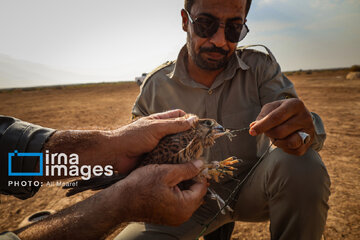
(207, 26)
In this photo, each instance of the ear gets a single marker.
(185, 20)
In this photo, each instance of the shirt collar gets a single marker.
(181, 74)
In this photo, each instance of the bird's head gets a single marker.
(208, 129)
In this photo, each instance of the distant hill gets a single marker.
(15, 73)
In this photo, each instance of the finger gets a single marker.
(172, 126)
(168, 114)
(267, 108)
(182, 172)
(292, 142)
(299, 151)
(285, 129)
(276, 117)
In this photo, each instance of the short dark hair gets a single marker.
(190, 3)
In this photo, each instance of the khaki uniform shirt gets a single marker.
(9, 236)
(250, 80)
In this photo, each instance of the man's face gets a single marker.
(214, 52)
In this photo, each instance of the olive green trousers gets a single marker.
(290, 191)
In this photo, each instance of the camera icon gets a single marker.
(17, 154)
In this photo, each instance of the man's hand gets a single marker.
(281, 120)
(143, 135)
(148, 194)
(153, 195)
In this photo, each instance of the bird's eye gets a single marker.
(208, 123)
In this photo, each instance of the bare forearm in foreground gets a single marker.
(89, 219)
(148, 194)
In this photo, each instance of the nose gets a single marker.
(218, 39)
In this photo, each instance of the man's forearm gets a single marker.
(92, 148)
(90, 219)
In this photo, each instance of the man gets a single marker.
(147, 194)
(238, 88)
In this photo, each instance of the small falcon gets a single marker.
(174, 149)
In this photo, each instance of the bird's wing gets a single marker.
(168, 149)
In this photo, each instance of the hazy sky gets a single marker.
(126, 38)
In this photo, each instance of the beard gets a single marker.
(204, 63)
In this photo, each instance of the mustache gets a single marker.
(213, 49)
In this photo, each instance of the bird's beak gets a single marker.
(218, 131)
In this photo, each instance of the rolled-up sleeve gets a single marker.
(16, 135)
(9, 236)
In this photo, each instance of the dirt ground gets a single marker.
(108, 106)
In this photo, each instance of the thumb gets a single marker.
(172, 126)
(168, 114)
(182, 172)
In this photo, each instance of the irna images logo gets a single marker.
(58, 165)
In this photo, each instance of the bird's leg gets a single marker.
(218, 170)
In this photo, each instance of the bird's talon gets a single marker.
(229, 161)
(230, 168)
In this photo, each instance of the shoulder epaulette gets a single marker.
(241, 48)
(162, 66)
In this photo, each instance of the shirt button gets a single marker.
(210, 92)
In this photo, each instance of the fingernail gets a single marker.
(192, 120)
(252, 132)
(198, 163)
